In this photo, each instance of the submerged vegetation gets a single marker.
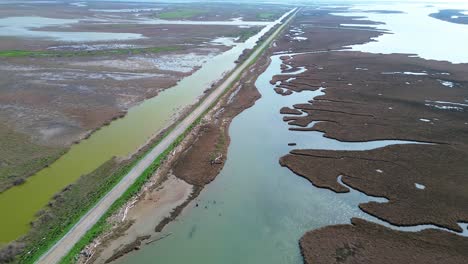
(66, 53)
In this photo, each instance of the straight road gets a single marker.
(63, 246)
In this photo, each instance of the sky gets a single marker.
(265, 1)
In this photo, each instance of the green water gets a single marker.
(255, 211)
(19, 204)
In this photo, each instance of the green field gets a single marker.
(266, 16)
(48, 53)
(247, 33)
(181, 14)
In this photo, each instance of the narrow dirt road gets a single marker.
(63, 246)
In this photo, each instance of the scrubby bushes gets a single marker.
(8, 253)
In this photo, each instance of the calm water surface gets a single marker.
(415, 32)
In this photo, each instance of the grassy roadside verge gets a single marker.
(81, 53)
(101, 225)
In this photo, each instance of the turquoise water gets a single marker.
(255, 211)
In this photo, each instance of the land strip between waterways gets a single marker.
(62, 247)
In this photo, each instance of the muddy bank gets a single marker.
(203, 160)
(365, 242)
(139, 217)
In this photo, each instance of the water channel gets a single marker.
(120, 138)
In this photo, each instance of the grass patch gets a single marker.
(181, 14)
(247, 33)
(266, 15)
(60, 53)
